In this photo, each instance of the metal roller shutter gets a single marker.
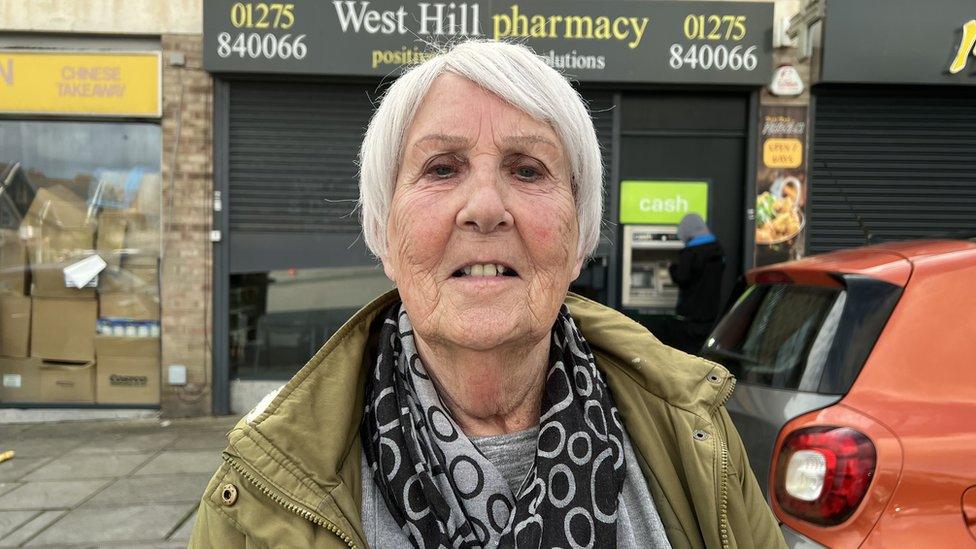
(293, 150)
(902, 161)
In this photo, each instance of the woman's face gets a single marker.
(481, 184)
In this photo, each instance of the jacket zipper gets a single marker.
(728, 392)
(723, 502)
(298, 510)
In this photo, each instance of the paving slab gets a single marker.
(25, 532)
(200, 440)
(149, 545)
(153, 489)
(93, 525)
(12, 520)
(30, 446)
(218, 422)
(58, 494)
(10, 430)
(183, 532)
(76, 466)
(20, 465)
(8, 486)
(181, 462)
(121, 443)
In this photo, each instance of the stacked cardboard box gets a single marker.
(14, 273)
(49, 351)
(128, 370)
(57, 225)
(60, 232)
(15, 325)
(127, 350)
(20, 379)
(19, 374)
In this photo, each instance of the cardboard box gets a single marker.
(20, 380)
(48, 281)
(14, 274)
(134, 306)
(52, 244)
(142, 279)
(110, 240)
(57, 224)
(149, 197)
(63, 329)
(15, 324)
(68, 382)
(57, 206)
(142, 240)
(128, 370)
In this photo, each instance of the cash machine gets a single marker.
(647, 251)
(649, 215)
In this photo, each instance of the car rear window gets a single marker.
(768, 336)
(808, 338)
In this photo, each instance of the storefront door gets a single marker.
(296, 268)
(684, 136)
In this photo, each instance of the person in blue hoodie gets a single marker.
(698, 274)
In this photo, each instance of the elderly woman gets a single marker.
(480, 404)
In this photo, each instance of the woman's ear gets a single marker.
(388, 268)
(579, 267)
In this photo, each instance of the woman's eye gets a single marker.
(442, 171)
(527, 173)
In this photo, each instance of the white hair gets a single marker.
(516, 75)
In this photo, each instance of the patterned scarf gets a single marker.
(444, 493)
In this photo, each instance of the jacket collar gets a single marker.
(305, 442)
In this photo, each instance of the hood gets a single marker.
(692, 225)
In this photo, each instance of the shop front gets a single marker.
(673, 88)
(893, 140)
(80, 219)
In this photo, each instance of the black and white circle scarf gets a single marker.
(444, 493)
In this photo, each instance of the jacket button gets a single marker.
(228, 495)
(700, 435)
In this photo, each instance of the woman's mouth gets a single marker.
(485, 270)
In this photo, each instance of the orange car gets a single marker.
(857, 393)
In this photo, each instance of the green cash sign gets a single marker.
(662, 202)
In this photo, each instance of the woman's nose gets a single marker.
(484, 208)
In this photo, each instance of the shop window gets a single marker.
(80, 218)
(279, 319)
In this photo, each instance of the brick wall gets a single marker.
(186, 276)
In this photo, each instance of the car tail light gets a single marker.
(823, 473)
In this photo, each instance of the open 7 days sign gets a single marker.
(612, 40)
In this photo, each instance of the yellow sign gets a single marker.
(783, 153)
(94, 84)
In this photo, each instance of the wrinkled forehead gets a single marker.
(456, 112)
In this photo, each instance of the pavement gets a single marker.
(115, 483)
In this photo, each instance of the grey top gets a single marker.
(638, 524)
(512, 454)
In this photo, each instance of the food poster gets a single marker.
(781, 184)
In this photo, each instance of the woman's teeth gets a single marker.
(487, 269)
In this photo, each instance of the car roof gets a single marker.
(891, 262)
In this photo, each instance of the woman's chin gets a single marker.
(486, 328)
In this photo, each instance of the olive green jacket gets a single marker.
(291, 472)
